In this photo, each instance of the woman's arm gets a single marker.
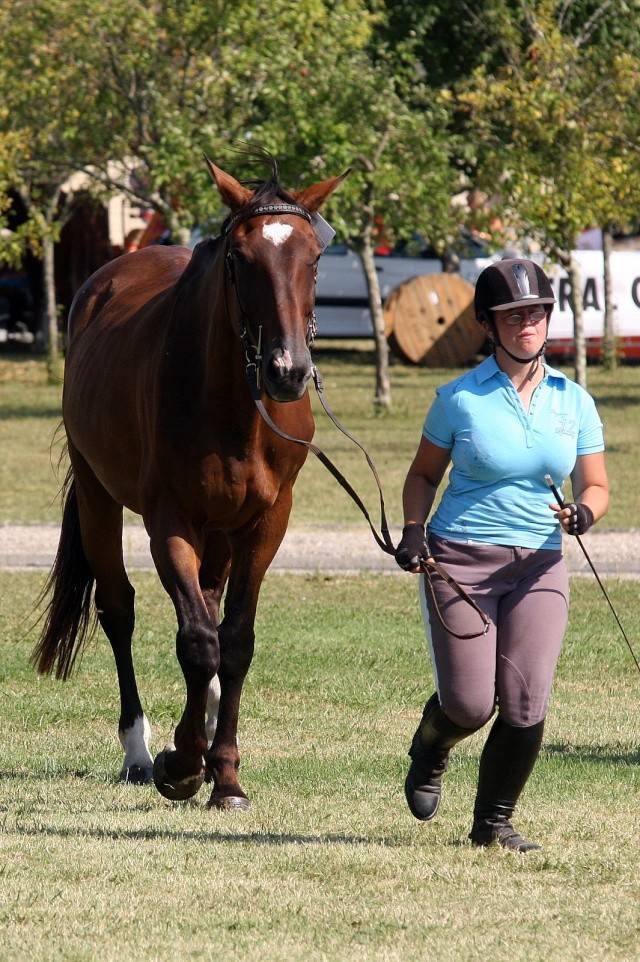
(423, 478)
(590, 486)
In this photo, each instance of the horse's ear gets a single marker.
(233, 194)
(312, 198)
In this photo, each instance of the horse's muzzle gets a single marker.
(286, 375)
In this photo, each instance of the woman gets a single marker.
(503, 427)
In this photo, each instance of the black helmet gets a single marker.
(512, 282)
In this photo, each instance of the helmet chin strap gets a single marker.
(519, 360)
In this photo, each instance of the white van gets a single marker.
(342, 305)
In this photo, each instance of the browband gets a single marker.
(264, 210)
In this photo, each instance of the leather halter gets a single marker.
(263, 210)
(428, 566)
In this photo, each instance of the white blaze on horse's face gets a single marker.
(277, 233)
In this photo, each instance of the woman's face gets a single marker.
(522, 330)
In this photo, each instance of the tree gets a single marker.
(198, 77)
(47, 96)
(537, 120)
(130, 94)
(308, 79)
(615, 131)
(365, 107)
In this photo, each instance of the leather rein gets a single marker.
(428, 566)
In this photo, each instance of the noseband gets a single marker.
(253, 349)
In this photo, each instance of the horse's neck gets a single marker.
(203, 358)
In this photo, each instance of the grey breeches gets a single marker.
(525, 593)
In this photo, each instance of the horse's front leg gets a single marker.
(251, 558)
(178, 771)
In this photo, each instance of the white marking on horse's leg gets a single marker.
(135, 742)
(277, 233)
(213, 704)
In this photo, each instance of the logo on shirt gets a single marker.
(565, 425)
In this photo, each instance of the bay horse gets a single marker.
(159, 418)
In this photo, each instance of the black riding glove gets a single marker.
(581, 518)
(413, 546)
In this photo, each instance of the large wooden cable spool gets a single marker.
(429, 320)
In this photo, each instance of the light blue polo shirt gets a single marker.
(500, 454)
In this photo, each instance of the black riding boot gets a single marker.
(506, 762)
(435, 737)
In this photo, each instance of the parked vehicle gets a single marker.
(16, 308)
(342, 304)
(625, 282)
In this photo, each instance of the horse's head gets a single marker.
(272, 253)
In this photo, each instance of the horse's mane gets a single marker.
(264, 191)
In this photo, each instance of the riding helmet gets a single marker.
(512, 282)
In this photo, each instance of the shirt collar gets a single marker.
(490, 368)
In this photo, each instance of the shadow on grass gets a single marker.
(28, 411)
(593, 753)
(344, 352)
(153, 835)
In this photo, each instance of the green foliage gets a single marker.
(550, 122)
(534, 101)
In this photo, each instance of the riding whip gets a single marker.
(559, 498)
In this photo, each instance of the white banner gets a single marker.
(625, 279)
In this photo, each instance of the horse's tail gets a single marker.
(68, 617)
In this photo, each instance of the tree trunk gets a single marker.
(609, 353)
(383, 386)
(49, 220)
(51, 311)
(575, 300)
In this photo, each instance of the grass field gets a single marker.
(327, 864)
(30, 415)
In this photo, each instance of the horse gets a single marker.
(167, 352)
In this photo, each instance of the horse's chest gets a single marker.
(234, 485)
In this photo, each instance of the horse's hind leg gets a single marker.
(101, 528)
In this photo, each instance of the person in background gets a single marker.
(503, 426)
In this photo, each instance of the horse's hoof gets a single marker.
(176, 790)
(137, 775)
(229, 803)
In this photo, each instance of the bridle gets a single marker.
(253, 348)
(429, 566)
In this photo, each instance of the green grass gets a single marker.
(328, 863)
(30, 414)
(29, 440)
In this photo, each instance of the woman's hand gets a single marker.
(590, 487)
(574, 518)
(412, 548)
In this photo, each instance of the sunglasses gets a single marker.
(533, 316)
